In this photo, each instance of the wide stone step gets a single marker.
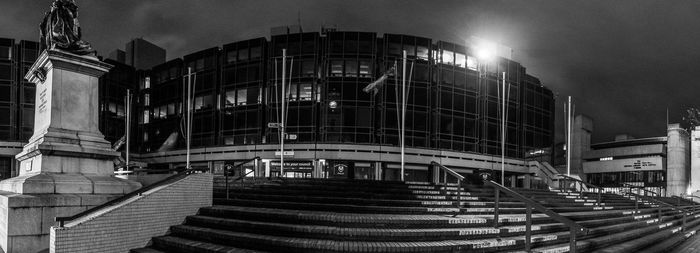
(146, 250)
(598, 242)
(315, 217)
(184, 245)
(294, 244)
(365, 234)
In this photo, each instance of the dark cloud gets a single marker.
(624, 62)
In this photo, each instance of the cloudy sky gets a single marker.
(624, 62)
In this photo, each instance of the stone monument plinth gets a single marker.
(66, 167)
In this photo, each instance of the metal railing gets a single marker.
(574, 228)
(687, 198)
(232, 169)
(567, 180)
(629, 187)
(460, 179)
(62, 220)
(660, 203)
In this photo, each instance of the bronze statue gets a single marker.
(61, 30)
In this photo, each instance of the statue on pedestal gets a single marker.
(61, 30)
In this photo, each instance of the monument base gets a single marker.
(67, 183)
(26, 219)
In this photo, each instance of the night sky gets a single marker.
(625, 62)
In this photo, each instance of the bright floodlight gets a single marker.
(484, 50)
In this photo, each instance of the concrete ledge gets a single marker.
(136, 220)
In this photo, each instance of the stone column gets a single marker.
(66, 167)
(67, 153)
(677, 160)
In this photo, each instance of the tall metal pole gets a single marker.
(403, 116)
(189, 113)
(568, 138)
(503, 131)
(284, 98)
(128, 125)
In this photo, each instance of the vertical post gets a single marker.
(128, 125)
(189, 114)
(528, 227)
(599, 194)
(684, 219)
(636, 204)
(568, 138)
(403, 117)
(459, 193)
(284, 99)
(226, 178)
(503, 131)
(572, 240)
(658, 210)
(495, 209)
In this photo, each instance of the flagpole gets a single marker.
(128, 125)
(568, 138)
(189, 113)
(284, 98)
(403, 116)
(503, 131)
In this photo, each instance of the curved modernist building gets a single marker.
(334, 128)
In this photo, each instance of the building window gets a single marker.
(448, 57)
(422, 53)
(351, 68)
(146, 99)
(146, 116)
(292, 92)
(255, 53)
(365, 69)
(305, 92)
(242, 97)
(307, 68)
(230, 98)
(472, 63)
(460, 60)
(202, 102)
(5, 52)
(336, 68)
(243, 54)
(231, 56)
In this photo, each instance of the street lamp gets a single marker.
(485, 51)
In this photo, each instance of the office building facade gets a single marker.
(334, 129)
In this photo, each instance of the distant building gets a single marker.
(659, 164)
(142, 54)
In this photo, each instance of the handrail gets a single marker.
(684, 196)
(600, 189)
(453, 173)
(226, 171)
(661, 203)
(62, 220)
(529, 205)
(630, 186)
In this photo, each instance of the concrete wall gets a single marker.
(134, 222)
(636, 150)
(695, 160)
(678, 160)
(26, 220)
(580, 142)
(625, 164)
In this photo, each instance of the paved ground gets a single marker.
(690, 245)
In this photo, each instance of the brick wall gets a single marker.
(134, 222)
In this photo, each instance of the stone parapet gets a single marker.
(133, 222)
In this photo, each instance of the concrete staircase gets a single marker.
(326, 215)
